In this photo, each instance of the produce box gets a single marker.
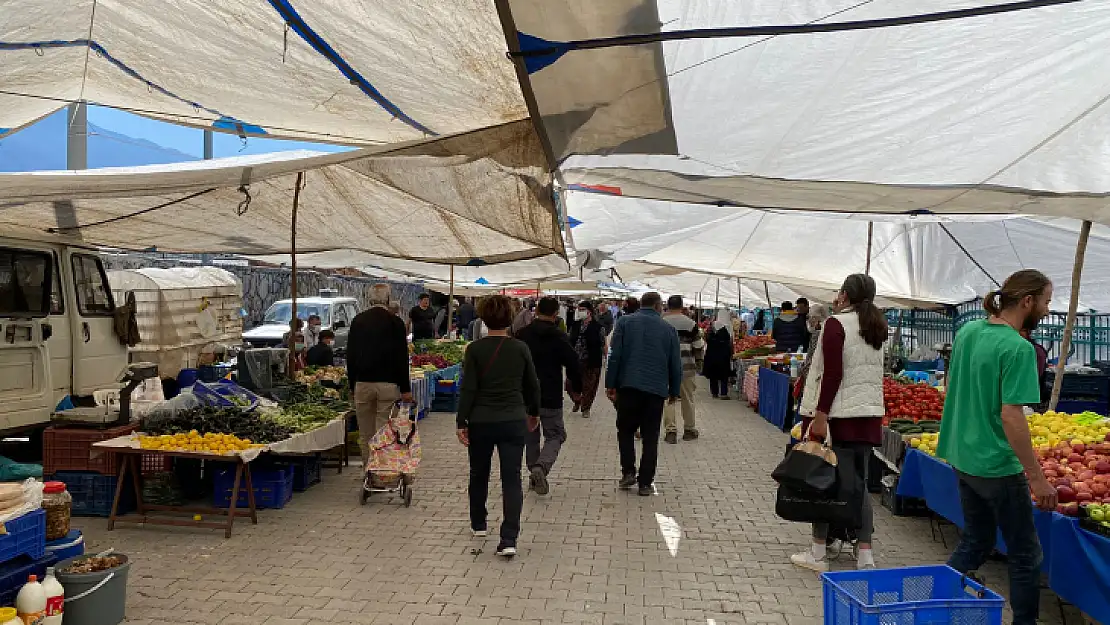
(26, 537)
(306, 469)
(71, 449)
(272, 488)
(13, 575)
(93, 493)
(919, 594)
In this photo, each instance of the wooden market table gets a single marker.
(130, 463)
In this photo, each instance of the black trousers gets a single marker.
(509, 440)
(637, 410)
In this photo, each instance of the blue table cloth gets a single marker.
(774, 396)
(1076, 561)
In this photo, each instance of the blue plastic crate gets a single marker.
(26, 536)
(13, 575)
(272, 488)
(923, 365)
(445, 403)
(93, 493)
(306, 470)
(908, 596)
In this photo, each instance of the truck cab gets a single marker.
(336, 314)
(57, 335)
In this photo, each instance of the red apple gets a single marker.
(1049, 473)
(1074, 457)
(1086, 475)
(1076, 466)
(1107, 439)
(1099, 489)
(1083, 497)
(1102, 466)
(1070, 509)
(1079, 448)
(1082, 487)
(1066, 494)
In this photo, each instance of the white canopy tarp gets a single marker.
(995, 114)
(344, 71)
(914, 259)
(480, 197)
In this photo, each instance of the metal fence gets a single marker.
(1090, 339)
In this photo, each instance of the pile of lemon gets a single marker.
(1052, 428)
(208, 443)
(926, 442)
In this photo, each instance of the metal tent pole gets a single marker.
(717, 303)
(1069, 325)
(450, 301)
(870, 236)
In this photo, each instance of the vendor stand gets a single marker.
(131, 453)
(1076, 561)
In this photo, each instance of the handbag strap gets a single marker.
(493, 357)
(828, 435)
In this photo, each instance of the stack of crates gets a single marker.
(1082, 392)
(91, 473)
(22, 553)
(446, 395)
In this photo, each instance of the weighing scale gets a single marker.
(111, 413)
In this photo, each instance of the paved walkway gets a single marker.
(708, 549)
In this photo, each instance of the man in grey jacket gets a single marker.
(645, 369)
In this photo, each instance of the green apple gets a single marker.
(1097, 514)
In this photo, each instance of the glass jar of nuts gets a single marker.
(58, 504)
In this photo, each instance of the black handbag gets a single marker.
(843, 508)
(809, 467)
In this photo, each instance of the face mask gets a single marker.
(579, 315)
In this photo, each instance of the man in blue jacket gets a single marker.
(645, 370)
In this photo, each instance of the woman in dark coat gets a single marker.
(587, 337)
(718, 355)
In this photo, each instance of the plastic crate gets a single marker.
(1082, 385)
(908, 596)
(899, 505)
(13, 575)
(71, 449)
(1076, 406)
(921, 365)
(26, 536)
(272, 488)
(445, 403)
(306, 470)
(213, 373)
(93, 493)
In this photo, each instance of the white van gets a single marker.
(57, 334)
(336, 314)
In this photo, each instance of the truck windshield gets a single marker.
(280, 313)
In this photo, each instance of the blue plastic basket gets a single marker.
(306, 470)
(908, 596)
(93, 493)
(922, 365)
(272, 488)
(13, 575)
(26, 536)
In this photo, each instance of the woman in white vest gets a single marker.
(843, 399)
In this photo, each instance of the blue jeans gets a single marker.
(1002, 503)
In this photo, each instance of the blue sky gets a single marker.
(118, 139)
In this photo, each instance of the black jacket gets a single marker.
(718, 355)
(789, 334)
(606, 320)
(466, 315)
(377, 349)
(595, 343)
(551, 353)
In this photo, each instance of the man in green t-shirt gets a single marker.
(985, 437)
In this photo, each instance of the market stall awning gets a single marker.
(476, 198)
(360, 72)
(913, 259)
(898, 107)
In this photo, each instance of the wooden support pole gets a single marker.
(1069, 325)
(450, 301)
(293, 277)
(870, 235)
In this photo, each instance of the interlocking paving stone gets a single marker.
(589, 553)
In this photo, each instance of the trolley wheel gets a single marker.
(363, 495)
(408, 497)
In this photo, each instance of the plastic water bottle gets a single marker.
(30, 603)
(55, 598)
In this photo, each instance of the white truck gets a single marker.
(56, 330)
(336, 314)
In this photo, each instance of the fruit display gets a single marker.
(1053, 428)
(1080, 472)
(450, 352)
(210, 420)
(193, 441)
(757, 345)
(926, 442)
(429, 362)
(314, 375)
(914, 401)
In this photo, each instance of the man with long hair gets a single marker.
(985, 437)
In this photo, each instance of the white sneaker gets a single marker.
(806, 560)
(480, 533)
(865, 560)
